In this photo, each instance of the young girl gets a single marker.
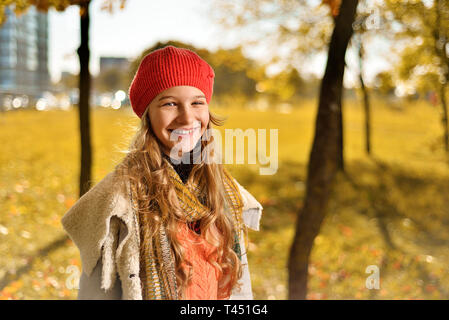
(169, 221)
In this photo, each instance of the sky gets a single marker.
(142, 23)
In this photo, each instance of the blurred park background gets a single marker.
(388, 199)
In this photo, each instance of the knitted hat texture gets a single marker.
(165, 68)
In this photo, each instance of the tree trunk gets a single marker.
(340, 135)
(440, 50)
(83, 104)
(341, 144)
(323, 160)
(366, 103)
(444, 119)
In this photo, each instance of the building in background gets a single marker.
(24, 75)
(112, 82)
(119, 63)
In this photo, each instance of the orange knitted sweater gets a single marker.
(204, 284)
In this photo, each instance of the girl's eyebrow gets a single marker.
(196, 97)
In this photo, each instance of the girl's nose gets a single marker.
(186, 115)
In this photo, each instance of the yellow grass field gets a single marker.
(389, 210)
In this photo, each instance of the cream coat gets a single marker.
(104, 227)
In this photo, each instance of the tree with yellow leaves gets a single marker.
(20, 6)
(422, 29)
(308, 29)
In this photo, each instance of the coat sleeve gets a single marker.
(245, 292)
(90, 286)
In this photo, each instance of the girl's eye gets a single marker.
(168, 103)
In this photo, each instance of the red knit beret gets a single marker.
(165, 68)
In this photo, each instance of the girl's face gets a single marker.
(179, 115)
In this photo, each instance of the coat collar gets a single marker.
(88, 220)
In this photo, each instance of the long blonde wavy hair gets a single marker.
(145, 169)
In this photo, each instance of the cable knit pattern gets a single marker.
(204, 284)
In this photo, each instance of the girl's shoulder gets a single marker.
(89, 220)
(105, 191)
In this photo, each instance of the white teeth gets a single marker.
(180, 131)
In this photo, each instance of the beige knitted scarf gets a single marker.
(157, 264)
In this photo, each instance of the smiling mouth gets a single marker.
(183, 131)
